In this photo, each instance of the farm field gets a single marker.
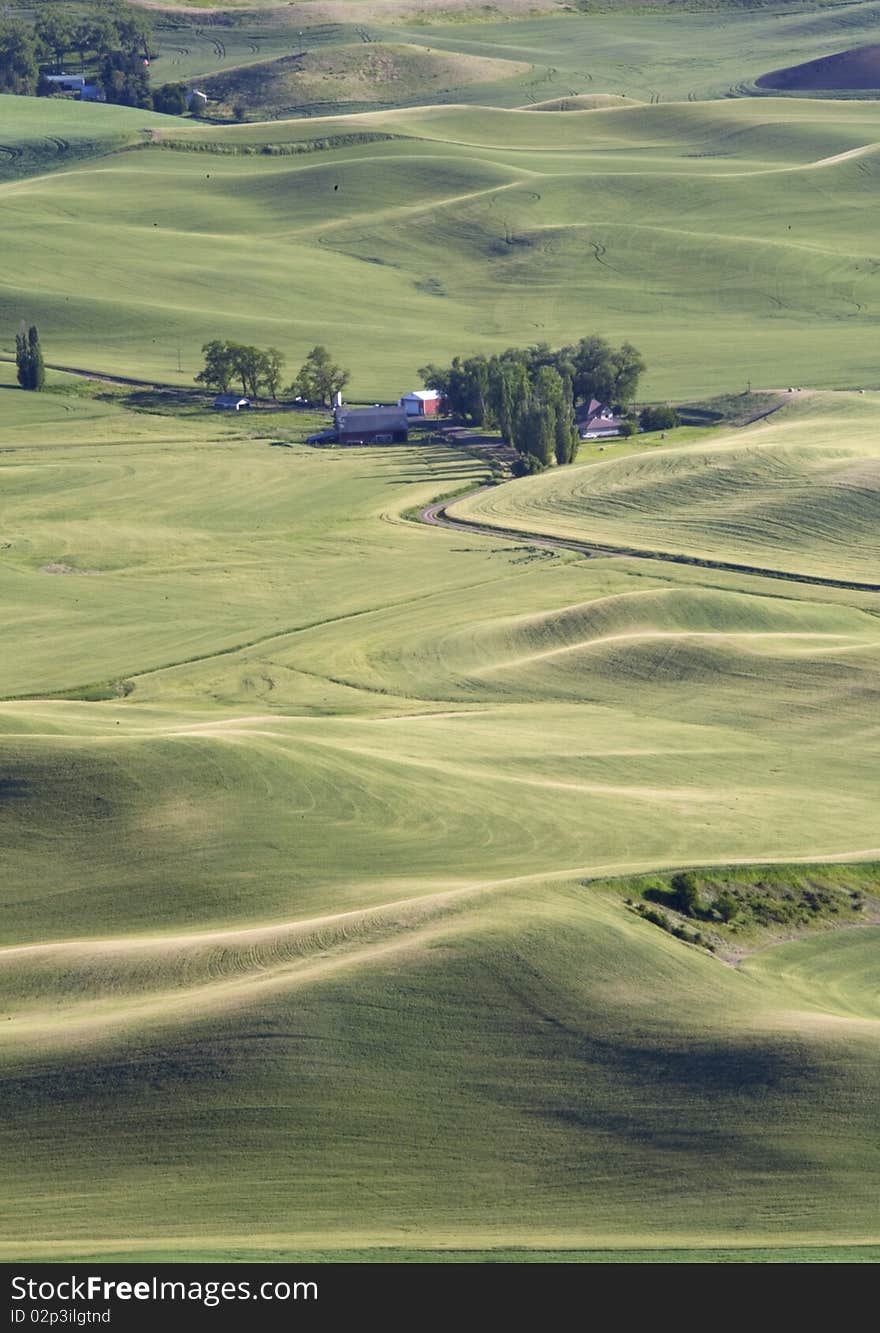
(698, 53)
(470, 727)
(691, 53)
(729, 243)
(795, 492)
(337, 56)
(344, 859)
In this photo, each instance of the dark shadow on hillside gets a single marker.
(170, 401)
(855, 70)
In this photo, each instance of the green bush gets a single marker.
(526, 465)
(686, 893)
(170, 99)
(659, 418)
(726, 906)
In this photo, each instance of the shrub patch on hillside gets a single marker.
(730, 908)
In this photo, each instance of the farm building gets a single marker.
(371, 425)
(66, 83)
(422, 403)
(231, 402)
(75, 83)
(596, 421)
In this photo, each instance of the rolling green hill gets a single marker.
(350, 77)
(728, 242)
(662, 52)
(318, 824)
(794, 493)
(482, 733)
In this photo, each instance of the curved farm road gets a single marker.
(435, 515)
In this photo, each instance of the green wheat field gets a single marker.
(326, 833)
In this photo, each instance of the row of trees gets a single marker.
(113, 38)
(258, 369)
(111, 26)
(29, 358)
(253, 367)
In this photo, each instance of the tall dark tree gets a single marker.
(81, 38)
(219, 368)
(249, 364)
(538, 433)
(604, 372)
(31, 372)
(132, 28)
(22, 363)
(628, 368)
(19, 71)
(593, 370)
(319, 377)
(510, 393)
(124, 80)
(464, 385)
(101, 32)
(54, 31)
(35, 356)
(567, 437)
(273, 364)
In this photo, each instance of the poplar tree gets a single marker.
(35, 356)
(30, 369)
(21, 356)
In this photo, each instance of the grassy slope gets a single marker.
(45, 134)
(688, 52)
(473, 727)
(699, 52)
(797, 492)
(470, 761)
(717, 235)
(349, 77)
(306, 1113)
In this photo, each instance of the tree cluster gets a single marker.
(124, 80)
(113, 38)
(29, 358)
(531, 393)
(254, 367)
(99, 32)
(319, 378)
(19, 70)
(535, 411)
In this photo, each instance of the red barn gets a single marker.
(421, 403)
